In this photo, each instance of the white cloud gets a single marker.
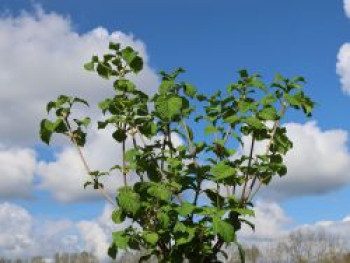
(270, 222)
(17, 167)
(96, 234)
(343, 67)
(21, 235)
(318, 163)
(64, 177)
(41, 56)
(347, 7)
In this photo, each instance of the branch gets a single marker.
(274, 129)
(85, 164)
(155, 161)
(246, 179)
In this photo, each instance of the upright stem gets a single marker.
(124, 164)
(247, 173)
(192, 152)
(252, 194)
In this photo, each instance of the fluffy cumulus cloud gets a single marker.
(343, 67)
(96, 234)
(270, 223)
(41, 56)
(17, 168)
(318, 163)
(22, 235)
(65, 175)
(343, 58)
(347, 7)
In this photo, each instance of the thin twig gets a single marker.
(85, 164)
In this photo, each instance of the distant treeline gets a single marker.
(302, 246)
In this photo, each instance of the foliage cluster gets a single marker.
(191, 199)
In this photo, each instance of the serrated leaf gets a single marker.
(222, 171)
(128, 54)
(268, 113)
(151, 237)
(185, 209)
(83, 122)
(46, 130)
(268, 100)
(168, 107)
(232, 119)
(118, 216)
(120, 239)
(114, 46)
(124, 85)
(254, 122)
(210, 129)
(129, 200)
(166, 86)
(244, 211)
(89, 66)
(159, 191)
(190, 90)
(51, 105)
(225, 230)
(137, 64)
(119, 135)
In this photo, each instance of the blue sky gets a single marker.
(211, 40)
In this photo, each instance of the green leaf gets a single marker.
(159, 191)
(244, 106)
(137, 64)
(293, 100)
(103, 71)
(46, 130)
(222, 171)
(118, 216)
(185, 209)
(112, 251)
(243, 73)
(128, 54)
(151, 237)
(124, 85)
(268, 113)
(119, 135)
(190, 90)
(254, 122)
(120, 239)
(210, 129)
(225, 230)
(84, 122)
(168, 107)
(268, 100)
(244, 211)
(114, 46)
(163, 219)
(50, 105)
(166, 86)
(89, 66)
(129, 200)
(75, 100)
(232, 119)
